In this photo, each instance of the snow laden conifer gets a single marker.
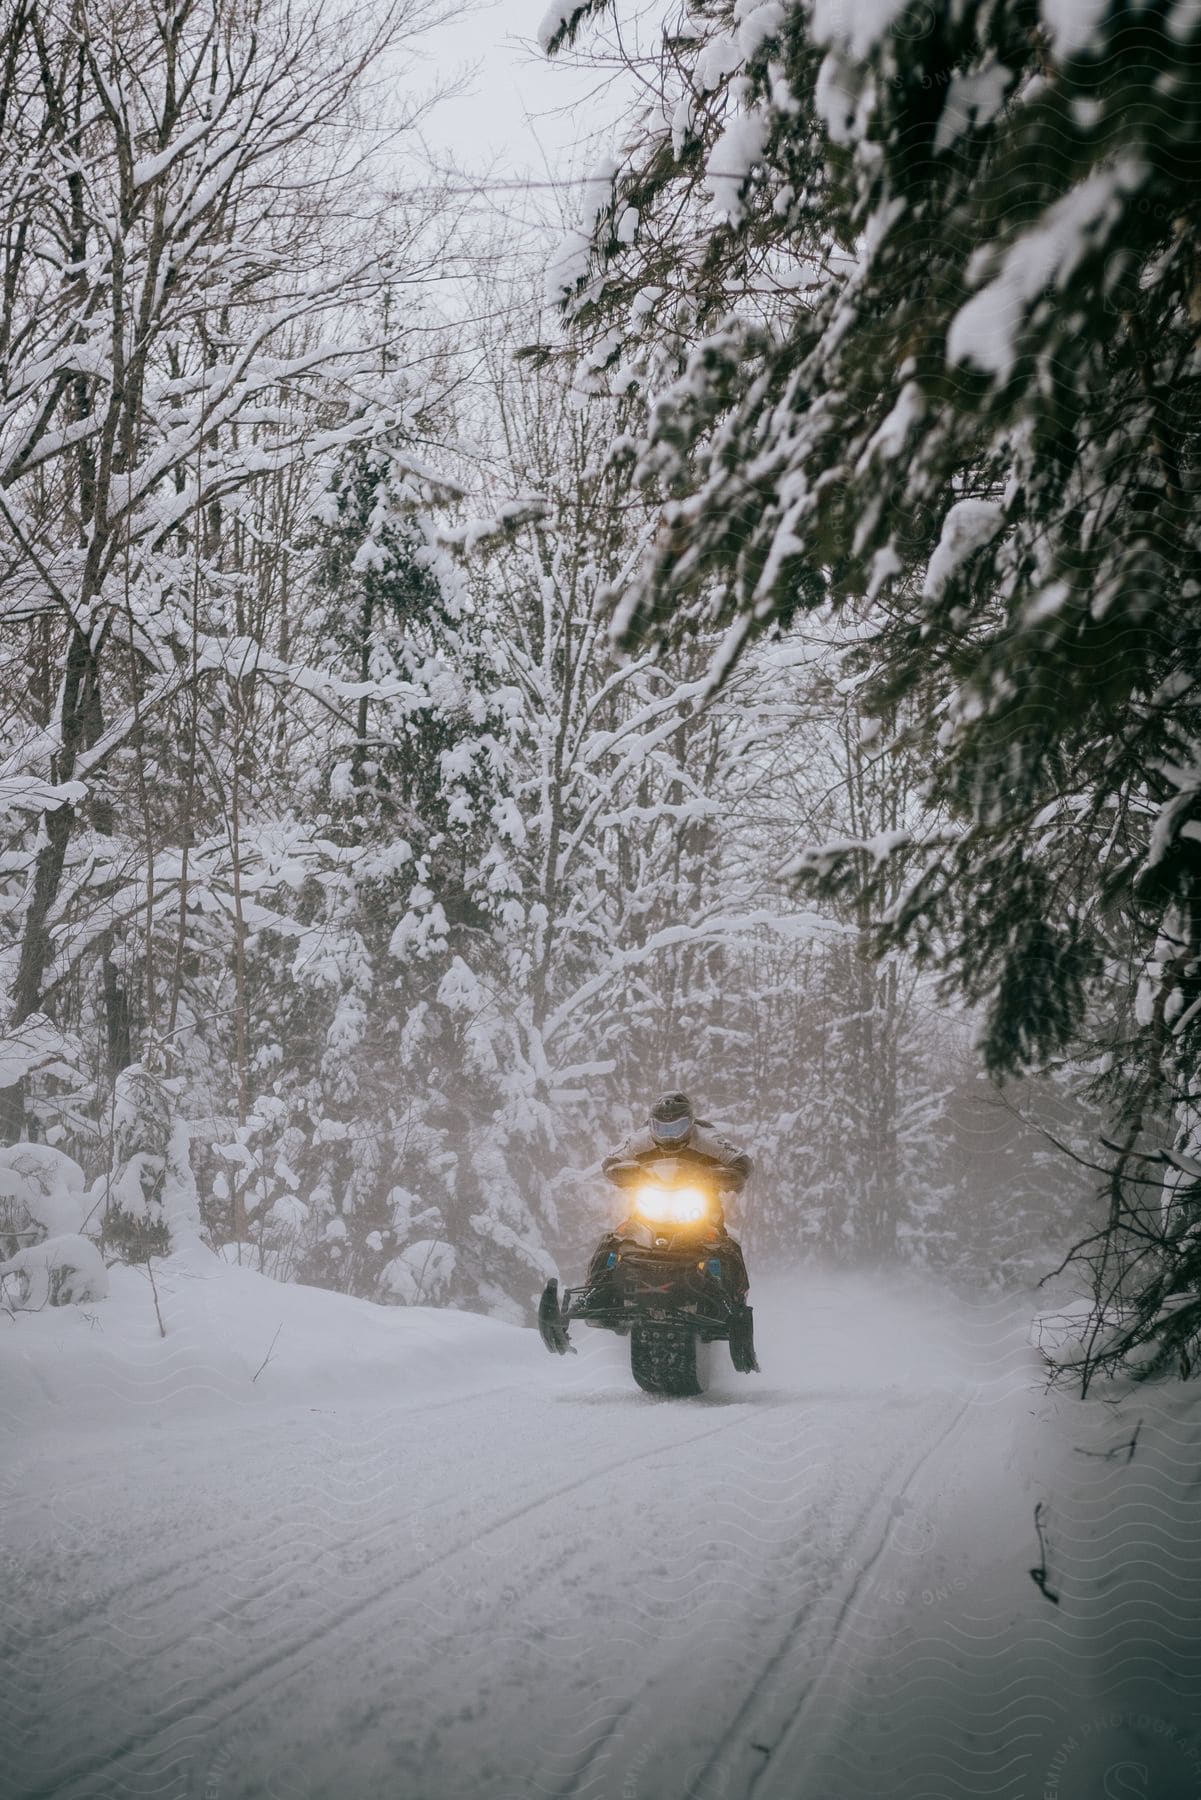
(912, 294)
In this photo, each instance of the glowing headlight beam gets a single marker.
(671, 1206)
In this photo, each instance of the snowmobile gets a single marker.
(671, 1279)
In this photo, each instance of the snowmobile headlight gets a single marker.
(672, 1206)
(692, 1205)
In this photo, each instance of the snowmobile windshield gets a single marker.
(671, 1131)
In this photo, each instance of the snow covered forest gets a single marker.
(480, 650)
(359, 890)
(456, 684)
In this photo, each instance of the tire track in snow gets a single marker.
(762, 1546)
(769, 1755)
(217, 1570)
(81, 1623)
(278, 1664)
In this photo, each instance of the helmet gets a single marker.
(671, 1120)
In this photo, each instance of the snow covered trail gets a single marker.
(414, 1557)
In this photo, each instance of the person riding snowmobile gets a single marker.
(670, 1278)
(673, 1131)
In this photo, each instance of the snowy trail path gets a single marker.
(521, 1577)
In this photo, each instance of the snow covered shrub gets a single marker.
(60, 1271)
(420, 1275)
(18, 1227)
(45, 1207)
(134, 1237)
(43, 1193)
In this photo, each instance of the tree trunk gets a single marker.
(79, 725)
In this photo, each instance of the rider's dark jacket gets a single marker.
(706, 1150)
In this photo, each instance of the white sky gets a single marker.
(521, 115)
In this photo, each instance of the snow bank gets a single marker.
(957, 1671)
(1120, 1521)
(234, 1338)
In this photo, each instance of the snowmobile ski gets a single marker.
(552, 1321)
(742, 1342)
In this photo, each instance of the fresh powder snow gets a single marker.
(308, 1546)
